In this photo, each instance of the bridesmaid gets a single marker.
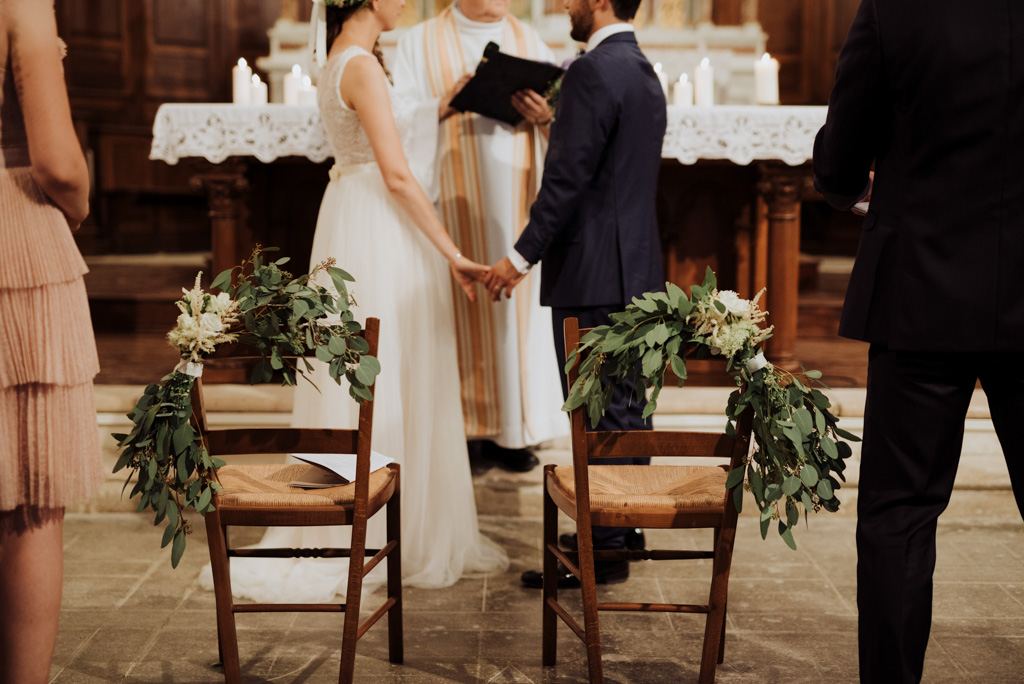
(49, 443)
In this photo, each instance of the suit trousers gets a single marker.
(624, 412)
(913, 435)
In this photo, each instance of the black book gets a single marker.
(497, 77)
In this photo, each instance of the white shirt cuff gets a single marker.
(519, 263)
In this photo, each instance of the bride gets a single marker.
(379, 224)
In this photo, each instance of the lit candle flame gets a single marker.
(255, 79)
(296, 69)
(241, 61)
(766, 58)
(706, 62)
(657, 67)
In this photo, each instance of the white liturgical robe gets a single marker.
(489, 175)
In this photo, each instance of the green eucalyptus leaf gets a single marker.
(177, 548)
(791, 485)
(735, 477)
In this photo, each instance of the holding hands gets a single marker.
(467, 272)
(502, 276)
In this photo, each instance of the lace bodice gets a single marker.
(345, 133)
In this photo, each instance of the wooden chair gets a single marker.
(260, 495)
(652, 496)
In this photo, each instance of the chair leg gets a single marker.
(715, 626)
(394, 524)
(725, 615)
(227, 636)
(585, 543)
(549, 620)
(350, 633)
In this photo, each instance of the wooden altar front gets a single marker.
(729, 194)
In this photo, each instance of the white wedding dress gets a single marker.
(402, 279)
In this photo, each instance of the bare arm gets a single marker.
(364, 89)
(58, 165)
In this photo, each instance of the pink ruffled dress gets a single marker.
(49, 440)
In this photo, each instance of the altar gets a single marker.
(764, 150)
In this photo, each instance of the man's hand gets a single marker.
(533, 107)
(444, 109)
(503, 275)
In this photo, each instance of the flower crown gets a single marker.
(355, 4)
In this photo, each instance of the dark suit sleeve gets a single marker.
(585, 120)
(844, 148)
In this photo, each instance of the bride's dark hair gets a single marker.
(336, 16)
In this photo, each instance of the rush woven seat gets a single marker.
(655, 496)
(262, 496)
(661, 495)
(270, 485)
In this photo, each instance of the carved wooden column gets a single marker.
(226, 185)
(780, 188)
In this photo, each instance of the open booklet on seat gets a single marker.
(497, 77)
(334, 470)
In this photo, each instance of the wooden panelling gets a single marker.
(181, 22)
(96, 68)
(95, 19)
(254, 18)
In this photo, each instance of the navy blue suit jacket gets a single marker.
(932, 92)
(594, 223)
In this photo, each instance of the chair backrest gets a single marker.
(661, 443)
(226, 442)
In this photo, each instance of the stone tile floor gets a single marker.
(128, 617)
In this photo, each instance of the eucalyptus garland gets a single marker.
(798, 457)
(286, 319)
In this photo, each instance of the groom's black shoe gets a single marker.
(516, 460)
(635, 540)
(605, 572)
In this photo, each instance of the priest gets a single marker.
(489, 176)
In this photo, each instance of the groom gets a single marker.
(594, 222)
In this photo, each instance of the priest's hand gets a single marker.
(466, 273)
(444, 109)
(502, 276)
(533, 107)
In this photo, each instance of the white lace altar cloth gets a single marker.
(740, 134)
(218, 131)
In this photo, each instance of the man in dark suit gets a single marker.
(932, 93)
(593, 223)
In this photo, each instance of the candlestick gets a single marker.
(704, 84)
(258, 92)
(766, 80)
(682, 93)
(240, 85)
(292, 83)
(662, 79)
(307, 93)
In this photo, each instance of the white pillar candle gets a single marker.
(766, 80)
(258, 93)
(662, 79)
(292, 84)
(682, 92)
(704, 84)
(307, 93)
(241, 85)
